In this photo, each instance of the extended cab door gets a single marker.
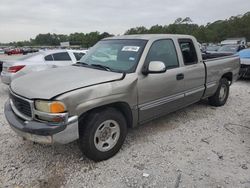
(161, 93)
(194, 72)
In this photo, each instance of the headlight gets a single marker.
(50, 106)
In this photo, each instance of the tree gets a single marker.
(178, 21)
(235, 26)
(187, 20)
(137, 30)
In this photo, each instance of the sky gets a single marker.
(22, 20)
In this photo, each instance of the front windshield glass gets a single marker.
(228, 48)
(116, 55)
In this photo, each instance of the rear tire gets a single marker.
(221, 95)
(102, 133)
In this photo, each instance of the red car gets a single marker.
(13, 51)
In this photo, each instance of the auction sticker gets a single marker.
(130, 48)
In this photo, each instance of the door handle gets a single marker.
(180, 76)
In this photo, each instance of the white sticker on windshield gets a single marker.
(130, 48)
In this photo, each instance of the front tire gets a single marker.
(102, 134)
(221, 95)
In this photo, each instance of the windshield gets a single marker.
(115, 55)
(229, 48)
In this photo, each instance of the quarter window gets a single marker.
(62, 56)
(78, 56)
(48, 58)
(188, 52)
(164, 51)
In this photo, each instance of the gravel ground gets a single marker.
(199, 146)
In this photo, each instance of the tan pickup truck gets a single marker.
(120, 83)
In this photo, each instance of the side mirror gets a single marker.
(156, 67)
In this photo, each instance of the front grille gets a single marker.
(21, 105)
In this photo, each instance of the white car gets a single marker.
(39, 61)
(1, 51)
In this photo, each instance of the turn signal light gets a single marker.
(57, 107)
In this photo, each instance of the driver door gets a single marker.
(161, 93)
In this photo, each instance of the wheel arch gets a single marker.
(228, 76)
(123, 107)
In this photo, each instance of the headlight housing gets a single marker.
(53, 107)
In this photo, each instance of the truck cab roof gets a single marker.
(150, 36)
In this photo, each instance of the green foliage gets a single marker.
(181, 21)
(85, 40)
(235, 26)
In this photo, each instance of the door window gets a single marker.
(188, 52)
(62, 56)
(164, 51)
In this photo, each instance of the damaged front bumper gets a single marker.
(42, 132)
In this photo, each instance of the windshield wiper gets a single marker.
(80, 64)
(101, 66)
(93, 65)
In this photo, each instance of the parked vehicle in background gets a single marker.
(2, 51)
(29, 50)
(234, 48)
(13, 51)
(39, 61)
(212, 48)
(120, 83)
(245, 63)
(1, 66)
(233, 41)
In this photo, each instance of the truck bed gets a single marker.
(207, 56)
(216, 67)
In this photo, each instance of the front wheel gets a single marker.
(102, 134)
(221, 95)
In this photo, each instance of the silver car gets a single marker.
(39, 61)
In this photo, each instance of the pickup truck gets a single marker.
(122, 82)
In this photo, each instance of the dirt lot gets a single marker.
(200, 146)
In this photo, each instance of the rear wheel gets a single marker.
(221, 95)
(102, 134)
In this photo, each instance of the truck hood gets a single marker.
(50, 83)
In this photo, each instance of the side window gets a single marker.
(48, 58)
(188, 51)
(62, 56)
(163, 50)
(78, 56)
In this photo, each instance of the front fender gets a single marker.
(81, 101)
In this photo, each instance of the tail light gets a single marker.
(15, 69)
